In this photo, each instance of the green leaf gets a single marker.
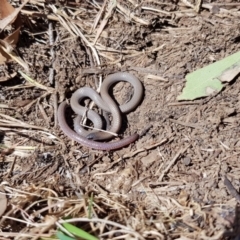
(207, 80)
(62, 236)
(79, 232)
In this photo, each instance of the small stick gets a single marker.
(27, 107)
(43, 113)
(99, 15)
(198, 6)
(55, 107)
(127, 13)
(188, 4)
(184, 103)
(192, 125)
(52, 71)
(181, 151)
(52, 52)
(145, 130)
(231, 189)
(129, 155)
(11, 168)
(101, 130)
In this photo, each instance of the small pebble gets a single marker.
(186, 161)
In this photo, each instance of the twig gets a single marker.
(198, 6)
(55, 106)
(52, 52)
(101, 130)
(99, 15)
(154, 77)
(44, 115)
(144, 131)
(172, 162)
(184, 103)
(11, 168)
(20, 234)
(225, 4)
(129, 155)
(188, 4)
(155, 10)
(132, 16)
(192, 125)
(231, 189)
(26, 108)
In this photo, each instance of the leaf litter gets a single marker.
(119, 195)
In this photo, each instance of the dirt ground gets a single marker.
(176, 181)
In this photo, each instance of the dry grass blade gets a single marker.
(154, 77)
(4, 106)
(156, 10)
(198, 5)
(6, 235)
(187, 3)
(105, 20)
(13, 122)
(99, 14)
(127, 13)
(35, 83)
(101, 130)
(3, 202)
(7, 48)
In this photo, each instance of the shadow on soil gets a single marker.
(235, 233)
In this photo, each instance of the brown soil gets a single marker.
(171, 183)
